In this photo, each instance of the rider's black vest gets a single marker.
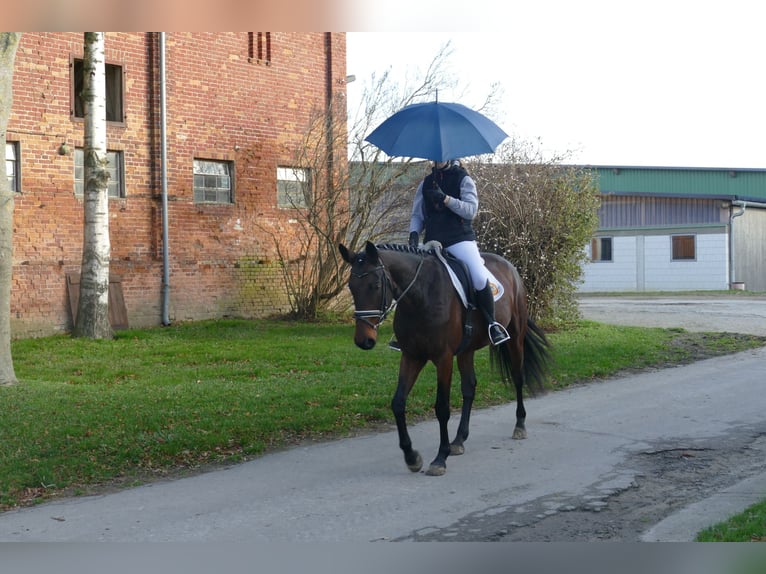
(442, 224)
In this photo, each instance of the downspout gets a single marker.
(329, 107)
(742, 205)
(164, 184)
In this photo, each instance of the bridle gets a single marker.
(385, 308)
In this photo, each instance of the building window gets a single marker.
(293, 187)
(601, 249)
(683, 247)
(259, 46)
(114, 165)
(114, 91)
(13, 165)
(213, 181)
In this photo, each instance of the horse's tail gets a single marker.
(537, 359)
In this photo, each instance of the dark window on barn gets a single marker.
(684, 248)
(114, 91)
(114, 166)
(601, 249)
(13, 165)
(213, 182)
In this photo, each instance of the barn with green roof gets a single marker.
(674, 228)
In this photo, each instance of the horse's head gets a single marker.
(370, 288)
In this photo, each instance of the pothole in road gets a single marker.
(649, 486)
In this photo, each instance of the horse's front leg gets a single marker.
(468, 389)
(442, 408)
(409, 369)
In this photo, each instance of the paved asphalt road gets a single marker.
(586, 446)
(743, 314)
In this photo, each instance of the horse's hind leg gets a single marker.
(516, 347)
(468, 389)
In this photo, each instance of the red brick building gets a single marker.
(237, 106)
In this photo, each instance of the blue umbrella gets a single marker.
(438, 131)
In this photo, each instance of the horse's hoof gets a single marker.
(519, 433)
(417, 464)
(436, 470)
(456, 449)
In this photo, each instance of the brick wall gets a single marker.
(222, 104)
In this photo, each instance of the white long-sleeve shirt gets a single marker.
(466, 206)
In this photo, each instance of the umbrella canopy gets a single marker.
(438, 131)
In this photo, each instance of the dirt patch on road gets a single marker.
(649, 486)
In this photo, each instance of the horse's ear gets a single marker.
(372, 253)
(344, 253)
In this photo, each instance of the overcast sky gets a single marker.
(673, 83)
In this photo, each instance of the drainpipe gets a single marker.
(742, 205)
(164, 184)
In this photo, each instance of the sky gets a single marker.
(672, 83)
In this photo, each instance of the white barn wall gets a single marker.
(708, 271)
(643, 263)
(616, 275)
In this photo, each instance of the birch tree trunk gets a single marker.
(9, 42)
(93, 309)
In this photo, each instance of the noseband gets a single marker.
(385, 308)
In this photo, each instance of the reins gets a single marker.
(384, 310)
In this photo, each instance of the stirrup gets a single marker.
(497, 334)
(394, 345)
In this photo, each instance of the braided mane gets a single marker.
(427, 249)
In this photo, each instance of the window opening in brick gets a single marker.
(12, 165)
(114, 91)
(264, 46)
(114, 165)
(683, 247)
(213, 181)
(293, 187)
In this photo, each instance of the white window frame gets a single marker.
(213, 181)
(293, 187)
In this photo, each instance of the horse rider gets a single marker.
(445, 204)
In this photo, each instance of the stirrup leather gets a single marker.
(497, 334)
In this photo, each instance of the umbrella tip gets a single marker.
(437, 95)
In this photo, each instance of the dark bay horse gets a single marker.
(429, 327)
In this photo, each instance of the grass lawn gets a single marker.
(748, 526)
(167, 401)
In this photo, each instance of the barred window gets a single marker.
(114, 166)
(213, 182)
(293, 187)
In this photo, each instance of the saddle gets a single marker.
(460, 276)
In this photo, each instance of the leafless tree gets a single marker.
(368, 201)
(9, 43)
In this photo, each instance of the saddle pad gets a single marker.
(494, 284)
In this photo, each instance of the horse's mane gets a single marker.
(427, 249)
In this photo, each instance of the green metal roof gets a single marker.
(714, 183)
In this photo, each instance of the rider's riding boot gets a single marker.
(486, 302)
